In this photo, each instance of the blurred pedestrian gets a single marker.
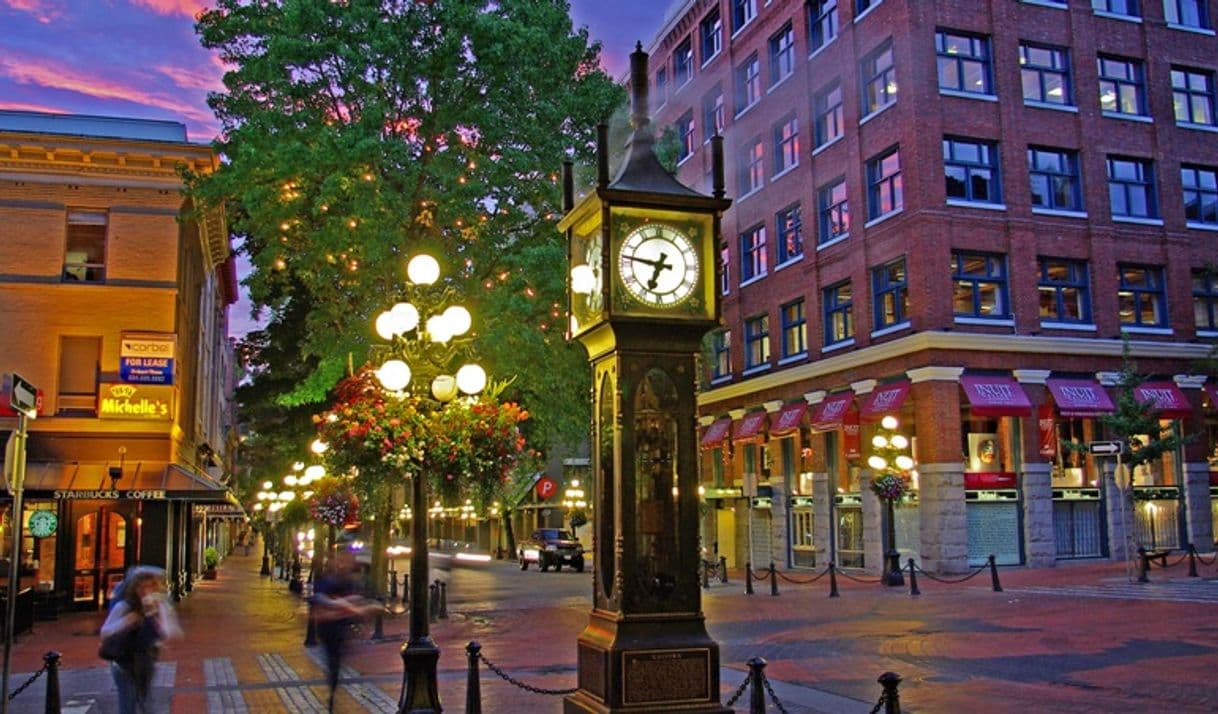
(337, 609)
(140, 618)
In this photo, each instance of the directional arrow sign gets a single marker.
(24, 397)
(1105, 448)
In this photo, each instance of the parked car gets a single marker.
(551, 547)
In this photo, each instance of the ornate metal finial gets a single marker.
(640, 116)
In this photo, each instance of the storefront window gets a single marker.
(1069, 464)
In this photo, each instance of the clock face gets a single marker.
(42, 524)
(658, 265)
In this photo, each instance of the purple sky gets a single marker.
(141, 58)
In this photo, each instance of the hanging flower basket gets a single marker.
(890, 486)
(333, 502)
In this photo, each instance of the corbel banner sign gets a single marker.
(143, 402)
(146, 358)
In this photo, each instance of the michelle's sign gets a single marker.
(143, 402)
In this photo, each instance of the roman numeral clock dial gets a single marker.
(658, 265)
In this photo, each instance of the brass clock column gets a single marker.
(643, 292)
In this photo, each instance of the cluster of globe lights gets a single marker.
(897, 442)
(404, 318)
(274, 501)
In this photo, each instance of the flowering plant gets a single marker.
(891, 486)
(333, 502)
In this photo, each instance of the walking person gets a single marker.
(337, 608)
(140, 618)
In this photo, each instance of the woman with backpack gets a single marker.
(140, 618)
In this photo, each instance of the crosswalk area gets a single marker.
(1184, 591)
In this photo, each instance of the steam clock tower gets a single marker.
(643, 291)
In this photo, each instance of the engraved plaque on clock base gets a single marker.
(646, 663)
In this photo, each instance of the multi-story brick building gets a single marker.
(114, 296)
(951, 212)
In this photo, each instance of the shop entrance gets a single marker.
(100, 556)
(725, 533)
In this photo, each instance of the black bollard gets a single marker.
(748, 577)
(994, 574)
(705, 575)
(51, 660)
(833, 580)
(757, 686)
(773, 581)
(406, 586)
(892, 700)
(443, 600)
(723, 569)
(913, 579)
(393, 585)
(433, 601)
(473, 688)
(1145, 565)
(1192, 561)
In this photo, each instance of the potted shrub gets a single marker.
(211, 558)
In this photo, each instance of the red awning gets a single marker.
(996, 396)
(1212, 390)
(829, 413)
(788, 418)
(748, 426)
(1080, 397)
(716, 433)
(884, 399)
(1166, 397)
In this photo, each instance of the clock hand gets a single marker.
(657, 266)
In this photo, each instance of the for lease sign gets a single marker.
(146, 357)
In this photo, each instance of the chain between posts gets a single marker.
(810, 580)
(740, 690)
(527, 687)
(33, 678)
(951, 581)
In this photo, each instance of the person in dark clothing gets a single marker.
(140, 618)
(337, 607)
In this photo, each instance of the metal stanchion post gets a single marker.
(773, 581)
(51, 660)
(723, 569)
(913, 579)
(1192, 561)
(833, 581)
(473, 688)
(757, 688)
(443, 600)
(748, 577)
(892, 700)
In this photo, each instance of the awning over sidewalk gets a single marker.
(139, 480)
(995, 396)
(829, 413)
(749, 426)
(884, 399)
(716, 433)
(1166, 397)
(788, 418)
(1080, 397)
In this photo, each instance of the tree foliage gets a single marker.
(1138, 421)
(358, 133)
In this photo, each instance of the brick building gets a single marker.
(115, 300)
(951, 212)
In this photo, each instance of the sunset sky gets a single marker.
(141, 58)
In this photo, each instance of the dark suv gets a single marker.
(552, 546)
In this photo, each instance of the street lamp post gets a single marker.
(890, 463)
(428, 334)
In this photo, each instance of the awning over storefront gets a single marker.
(1166, 397)
(829, 413)
(884, 399)
(749, 426)
(788, 418)
(1079, 397)
(140, 480)
(995, 396)
(716, 433)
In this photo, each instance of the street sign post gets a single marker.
(1105, 448)
(24, 400)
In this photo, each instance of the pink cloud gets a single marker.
(189, 8)
(193, 78)
(45, 11)
(26, 107)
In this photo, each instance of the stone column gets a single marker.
(943, 522)
(822, 516)
(873, 531)
(1196, 489)
(1119, 513)
(780, 523)
(1036, 484)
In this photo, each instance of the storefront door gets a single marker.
(100, 550)
(725, 534)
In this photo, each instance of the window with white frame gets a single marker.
(1122, 86)
(756, 341)
(834, 212)
(752, 167)
(890, 294)
(964, 62)
(1065, 290)
(822, 23)
(1200, 187)
(753, 262)
(1187, 13)
(879, 80)
(838, 302)
(789, 231)
(1131, 187)
(721, 354)
(685, 132)
(970, 169)
(748, 83)
(862, 6)
(711, 32)
(1127, 8)
(1192, 92)
(828, 110)
(885, 192)
(786, 144)
(1045, 74)
(714, 117)
(725, 268)
(794, 328)
(979, 285)
(1054, 178)
(683, 62)
(1141, 295)
(782, 54)
(743, 12)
